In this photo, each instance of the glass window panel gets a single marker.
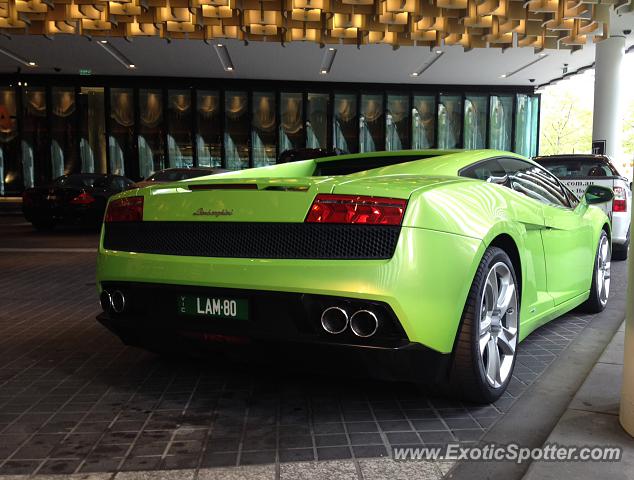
(397, 122)
(449, 121)
(92, 130)
(236, 130)
(423, 122)
(35, 147)
(121, 141)
(263, 131)
(179, 127)
(345, 123)
(500, 122)
(475, 121)
(371, 124)
(291, 118)
(11, 175)
(151, 133)
(317, 120)
(534, 125)
(209, 129)
(63, 130)
(526, 118)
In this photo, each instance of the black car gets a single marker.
(297, 154)
(77, 199)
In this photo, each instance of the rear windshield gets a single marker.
(76, 181)
(579, 168)
(361, 164)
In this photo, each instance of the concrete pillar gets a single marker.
(627, 393)
(606, 123)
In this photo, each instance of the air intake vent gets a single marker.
(254, 240)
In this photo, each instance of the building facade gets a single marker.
(133, 126)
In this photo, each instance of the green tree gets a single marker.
(566, 122)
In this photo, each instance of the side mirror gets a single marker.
(595, 194)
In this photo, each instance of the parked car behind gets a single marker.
(297, 154)
(175, 174)
(78, 199)
(578, 171)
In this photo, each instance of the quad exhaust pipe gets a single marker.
(363, 323)
(113, 301)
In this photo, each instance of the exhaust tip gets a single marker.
(117, 301)
(106, 300)
(364, 323)
(334, 320)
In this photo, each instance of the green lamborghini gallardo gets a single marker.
(429, 266)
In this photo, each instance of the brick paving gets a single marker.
(73, 399)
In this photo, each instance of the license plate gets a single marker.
(215, 307)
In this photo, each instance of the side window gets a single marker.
(534, 182)
(484, 170)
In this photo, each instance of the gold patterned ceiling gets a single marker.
(469, 23)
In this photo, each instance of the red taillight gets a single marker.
(83, 198)
(128, 209)
(356, 209)
(620, 200)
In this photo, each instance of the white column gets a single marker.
(606, 124)
(627, 393)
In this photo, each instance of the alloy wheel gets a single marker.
(498, 324)
(603, 270)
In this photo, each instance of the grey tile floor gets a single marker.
(73, 399)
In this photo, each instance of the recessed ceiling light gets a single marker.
(419, 71)
(503, 75)
(523, 67)
(103, 41)
(17, 58)
(223, 56)
(115, 53)
(327, 60)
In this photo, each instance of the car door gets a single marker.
(567, 236)
(535, 297)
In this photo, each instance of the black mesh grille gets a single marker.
(253, 240)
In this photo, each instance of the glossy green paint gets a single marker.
(449, 223)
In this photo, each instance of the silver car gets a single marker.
(576, 172)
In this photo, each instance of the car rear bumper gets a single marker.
(425, 283)
(620, 227)
(71, 214)
(405, 361)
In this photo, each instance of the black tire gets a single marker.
(467, 375)
(594, 304)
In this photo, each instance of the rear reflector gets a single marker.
(83, 198)
(620, 200)
(356, 209)
(128, 209)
